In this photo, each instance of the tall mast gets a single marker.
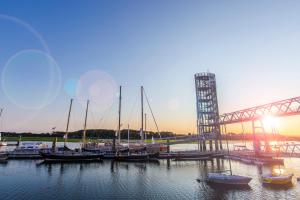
(67, 129)
(85, 121)
(145, 126)
(119, 124)
(225, 131)
(1, 110)
(128, 137)
(142, 114)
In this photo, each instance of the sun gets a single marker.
(270, 122)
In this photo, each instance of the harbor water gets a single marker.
(32, 179)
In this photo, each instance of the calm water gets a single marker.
(25, 179)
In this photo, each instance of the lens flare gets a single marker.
(99, 87)
(31, 79)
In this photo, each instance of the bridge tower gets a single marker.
(207, 111)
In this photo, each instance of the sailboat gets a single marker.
(142, 155)
(228, 179)
(108, 149)
(67, 155)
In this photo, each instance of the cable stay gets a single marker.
(152, 114)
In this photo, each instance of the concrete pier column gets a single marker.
(201, 146)
(210, 145)
(216, 145)
(221, 146)
(204, 145)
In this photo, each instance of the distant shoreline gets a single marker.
(61, 139)
(51, 139)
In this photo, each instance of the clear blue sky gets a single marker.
(47, 46)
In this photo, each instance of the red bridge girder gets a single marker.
(281, 108)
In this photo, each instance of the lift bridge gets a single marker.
(255, 115)
(210, 123)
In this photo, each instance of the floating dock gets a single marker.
(250, 158)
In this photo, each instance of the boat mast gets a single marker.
(85, 121)
(228, 149)
(1, 110)
(67, 129)
(128, 135)
(145, 126)
(119, 123)
(142, 114)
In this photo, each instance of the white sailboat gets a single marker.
(67, 155)
(228, 179)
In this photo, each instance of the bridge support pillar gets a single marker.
(203, 145)
(216, 144)
(256, 140)
(200, 145)
(210, 145)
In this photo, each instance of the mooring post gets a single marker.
(168, 146)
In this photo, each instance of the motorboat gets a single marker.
(3, 157)
(277, 179)
(30, 150)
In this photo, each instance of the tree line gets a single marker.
(93, 134)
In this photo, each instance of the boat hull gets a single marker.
(71, 157)
(106, 154)
(277, 180)
(137, 158)
(224, 179)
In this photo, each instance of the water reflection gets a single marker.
(20, 179)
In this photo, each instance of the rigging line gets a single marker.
(152, 113)
(132, 108)
(93, 118)
(98, 122)
(109, 112)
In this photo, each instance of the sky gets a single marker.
(52, 51)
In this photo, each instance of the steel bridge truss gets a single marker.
(287, 107)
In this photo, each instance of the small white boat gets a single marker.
(2, 143)
(3, 157)
(225, 179)
(28, 150)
